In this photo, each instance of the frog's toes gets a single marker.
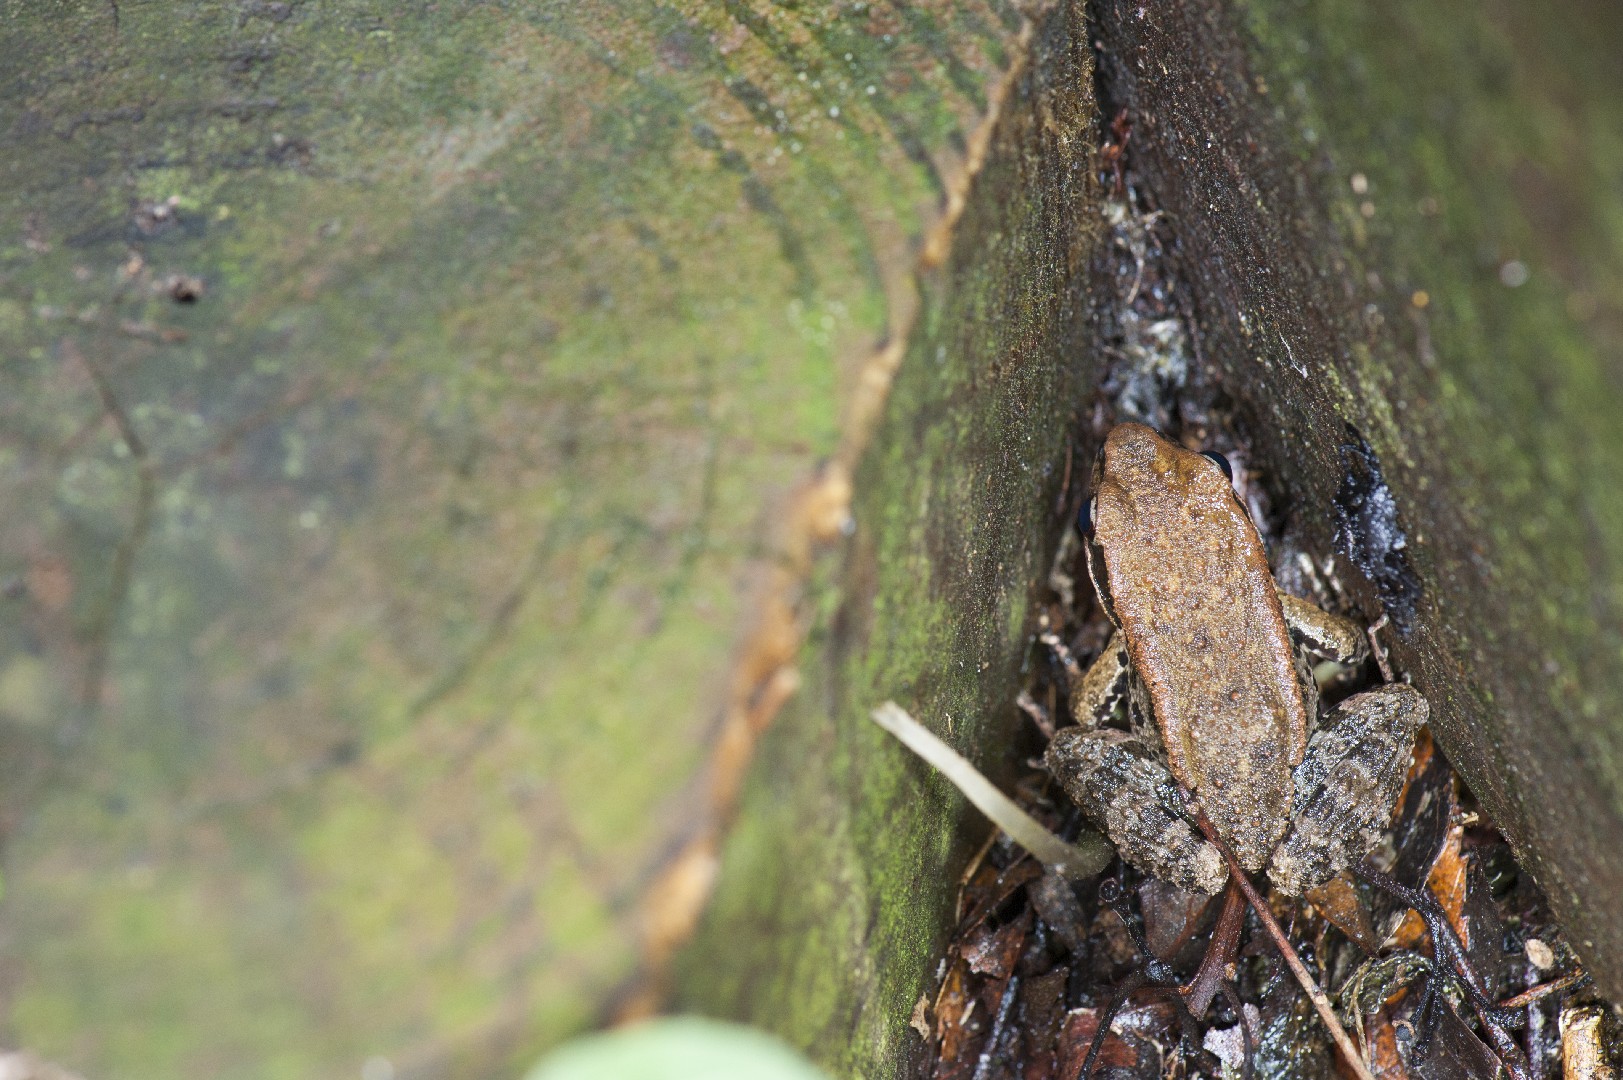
(1118, 783)
(1323, 634)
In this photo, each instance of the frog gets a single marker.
(1214, 663)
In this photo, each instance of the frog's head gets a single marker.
(1136, 458)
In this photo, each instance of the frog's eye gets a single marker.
(1221, 462)
(1084, 520)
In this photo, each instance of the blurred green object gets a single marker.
(677, 1048)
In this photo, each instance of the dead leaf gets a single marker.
(1056, 902)
(921, 1017)
(1338, 901)
(1447, 881)
(952, 1008)
(1172, 916)
(1077, 1035)
(994, 952)
(990, 887)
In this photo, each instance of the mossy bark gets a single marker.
(400, 404)
(842, 868)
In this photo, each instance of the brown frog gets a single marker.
(1213, 662)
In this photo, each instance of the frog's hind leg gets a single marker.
(1119, 783)
(1346, 785)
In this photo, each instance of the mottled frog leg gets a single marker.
(1346, 785)
(1323, 634)
(1119, 783)
(1095, 695)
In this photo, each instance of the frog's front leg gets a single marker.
(1316, 632)
(1103, 686)
(1119, 783)
(1323, 634)
(1346, 785)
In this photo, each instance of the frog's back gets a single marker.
(1190, 586)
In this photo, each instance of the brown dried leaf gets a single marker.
(1428, 839)
(1447, 881)
(1338, 901)
(1172, 916)
(989, 888)
(952, 1008)
(1076, 1036)
(1424, 813)
(1056, 902)
(1386, 993)
(994, 952)
(1041, 1019)
(920, 1021)
(1424, 748)
(1384, 1060)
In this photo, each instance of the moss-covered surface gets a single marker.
(841, 873)
(366, 615)
(1405, 217)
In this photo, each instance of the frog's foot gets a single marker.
(1119, 783)
(1318, 634)
(1346, 785)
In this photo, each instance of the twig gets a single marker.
(1225, 944)
(1062, 652)
(1089, 855)
(1248, 1038)
(1107, 1016)
(1378, 650)
(1539, 993)
(1038, 714)
(1321, 1003)
(976, 860)
(999, 1024)
(1451, 956)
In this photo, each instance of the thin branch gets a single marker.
(1377, 650)
(1081, 860)
(1321, 1003)
(1544, 990)
(1038, 714)
(1451, 955)
(983, 1067)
